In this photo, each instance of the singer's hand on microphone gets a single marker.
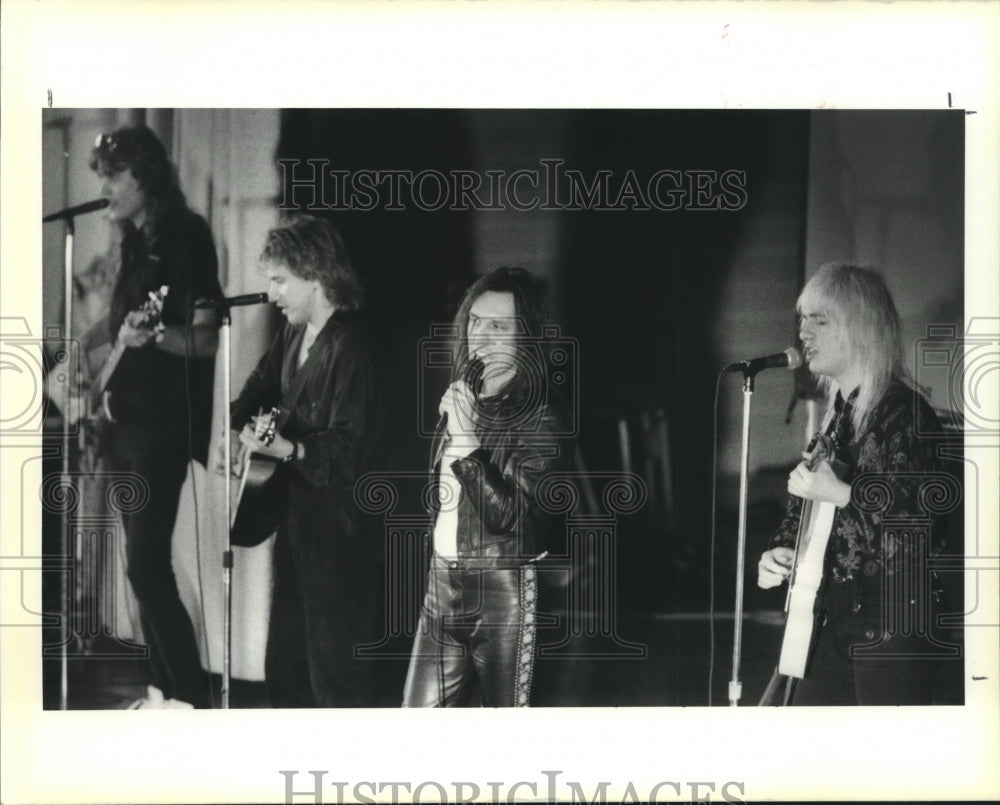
(820, 484)
(458, 405)
(774, 567)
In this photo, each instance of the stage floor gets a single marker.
(659, 660)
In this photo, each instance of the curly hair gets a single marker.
(313, 249)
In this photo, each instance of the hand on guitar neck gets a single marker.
(272, 444)
(258, 437)
(820, 484)
(137, 331)
(814, 480)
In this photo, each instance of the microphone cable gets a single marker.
(712, 519)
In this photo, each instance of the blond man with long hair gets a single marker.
(876, 585)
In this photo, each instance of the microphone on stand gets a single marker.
(79, 209)
(232, 301)
(789, 359)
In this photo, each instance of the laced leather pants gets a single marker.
(477, 629)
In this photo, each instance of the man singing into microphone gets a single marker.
(320, 371)
(502, 431)
(875, 588)
(152, 430)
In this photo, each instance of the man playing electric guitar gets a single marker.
(860, 656)
(159, 397)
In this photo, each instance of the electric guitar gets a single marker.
(815, 525)
(259, 498)
(90, 409)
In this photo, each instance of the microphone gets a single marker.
(472, 374)
(232, 301)
(789, 359)
(79, 209)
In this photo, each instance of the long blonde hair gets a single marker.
(857, 298)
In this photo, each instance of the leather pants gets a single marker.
(477, 629)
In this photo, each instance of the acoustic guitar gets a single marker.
(815, 525)
(259, 499)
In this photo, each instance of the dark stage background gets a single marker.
(640, 291)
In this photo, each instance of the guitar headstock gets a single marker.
(151, 312)
(266, 426)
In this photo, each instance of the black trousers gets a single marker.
(874, 646)
(324, 604)
(174, 661)
(477, 630)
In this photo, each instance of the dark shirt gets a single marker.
(335, 416)
(151, 387)
(890, 462)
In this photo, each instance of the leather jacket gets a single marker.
(500, 521)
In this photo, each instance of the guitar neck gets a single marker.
(107, 370)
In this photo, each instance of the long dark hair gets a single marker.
(138, 150)
(313, 249)
(533, 317)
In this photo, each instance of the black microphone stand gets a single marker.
(735, 686)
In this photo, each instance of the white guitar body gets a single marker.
(815, 525)
(802, 596)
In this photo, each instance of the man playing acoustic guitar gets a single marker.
(875, 583)
(320, 374)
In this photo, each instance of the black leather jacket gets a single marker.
(500, 520)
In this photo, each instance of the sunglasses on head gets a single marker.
(106, 142)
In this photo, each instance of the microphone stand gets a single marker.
(65, 607)
(64, 547)
(735, 686)
(227, 556)
(226, 306)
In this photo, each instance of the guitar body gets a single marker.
(810, 553)
(261, 497)
(260, 503)
(800, 624)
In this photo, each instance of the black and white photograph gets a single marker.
(662, 420)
